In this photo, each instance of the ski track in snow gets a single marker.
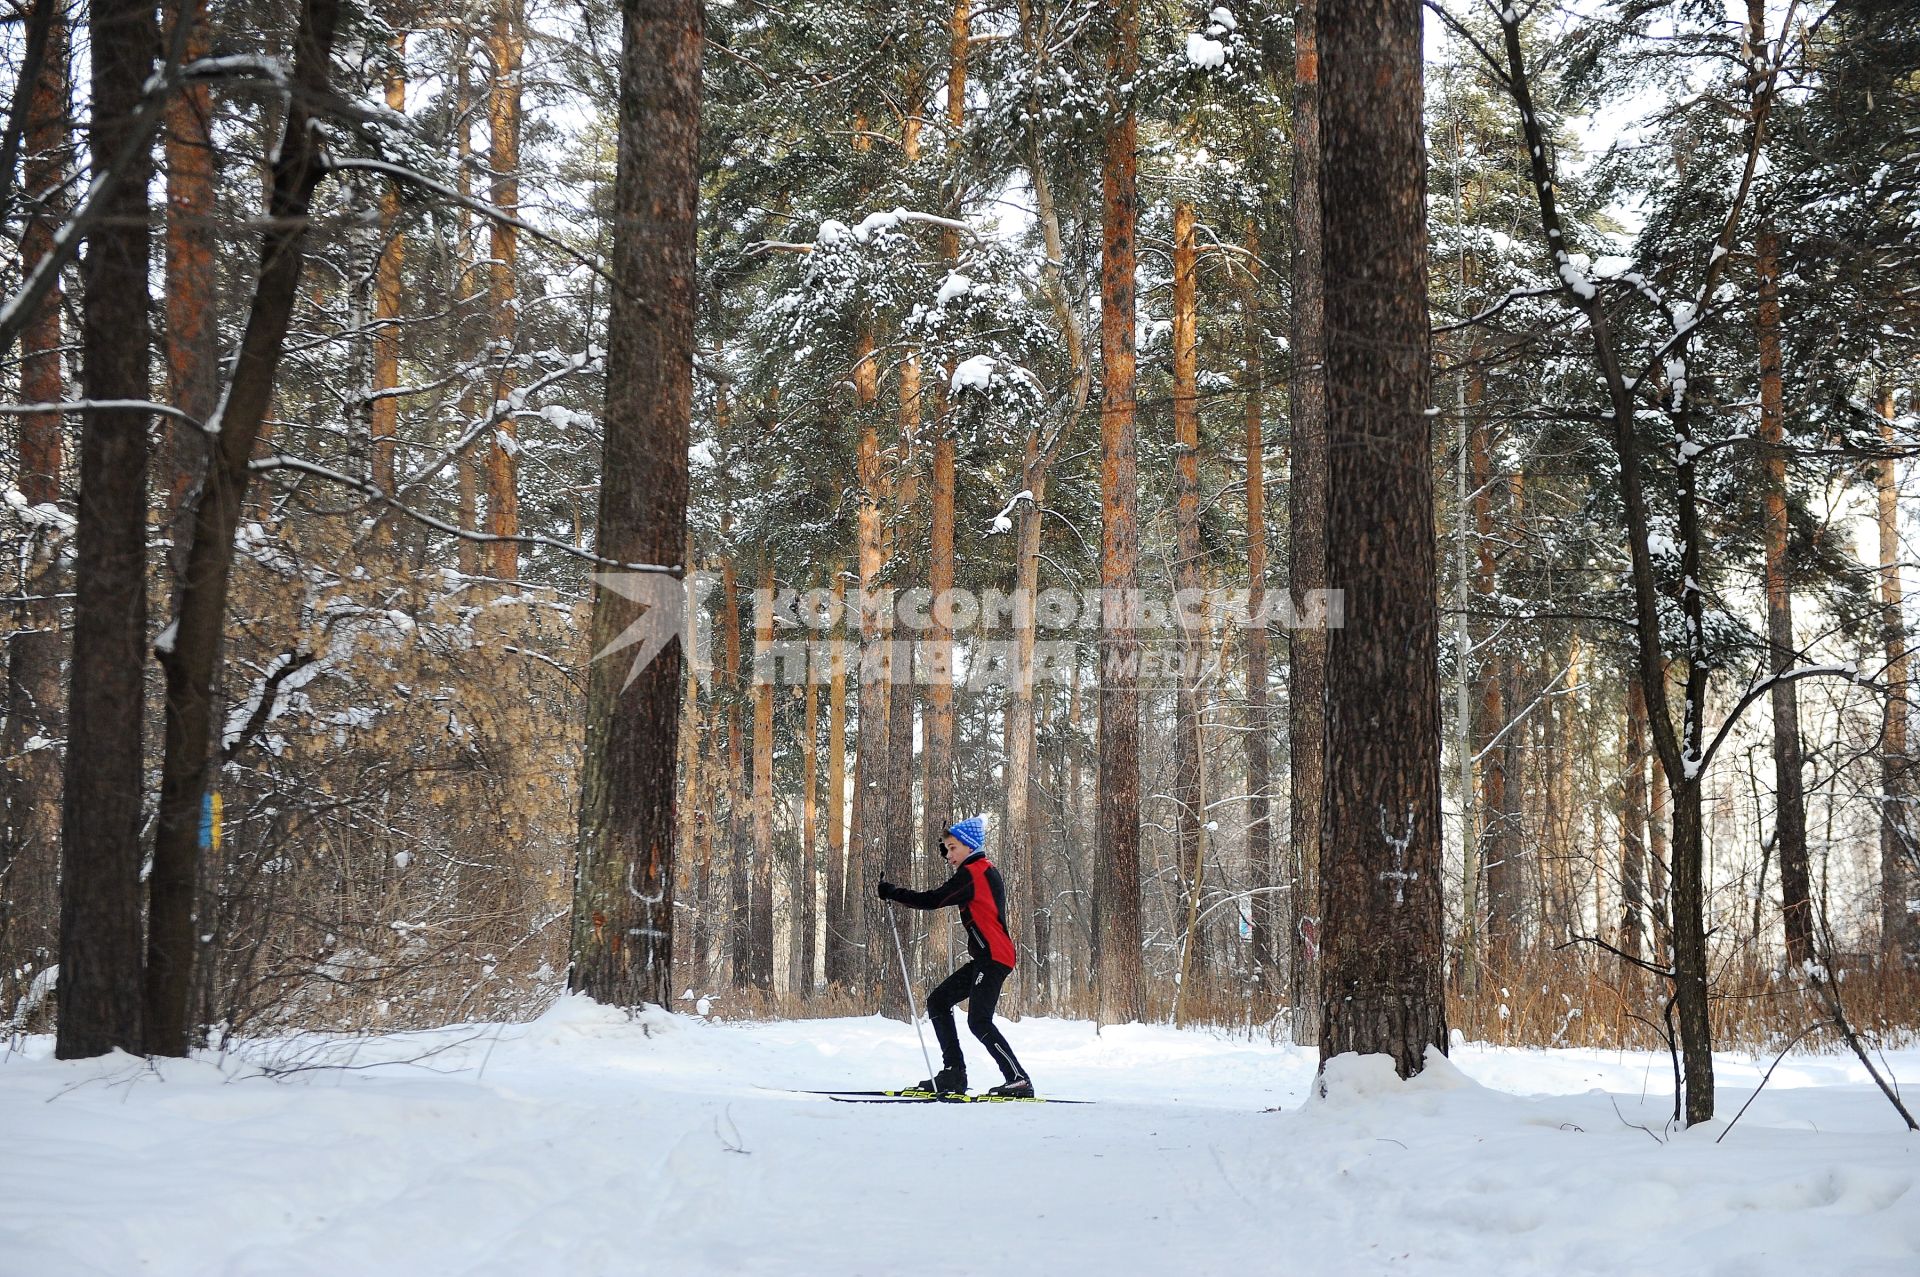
(585, 1144)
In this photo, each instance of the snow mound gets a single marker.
(575, 1015)
(1354, 1080)
(1202, 52)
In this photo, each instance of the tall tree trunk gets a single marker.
(1633, 820)
(1258, 726)
(192, 338)
(100, 938)
(1501, 742)
(1116, 891)
(739, 769)
(937, 715)
(1899, 843)
(1019, 833)
(871, 795)
(467, 467)
(1659, 898)
(1382, 978)
(760, 947)
(506, 43)
(900, 543)
(806, 918)
(33, 708)
(690, 860)
(190, 649)
(625, 853)
(1790, 805)
(711, 914)
(1190, 838)
(387, 296)
(1307, 532)
(839, 953)
(1555, 884)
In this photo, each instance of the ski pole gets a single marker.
(907, 984)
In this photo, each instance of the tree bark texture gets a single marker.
(1306, 533)
(506, 45)
(1382, 986)
(760, 932)
(839, 954)
(192, 339)
(1899, 844)
(387, 285)
(191, 660)
(1258, 646)
(623, 896)
(739, 776)
(806, 917)
(34, 707)
(871, 935)
(1189, 836)
(1790, 806)
(1633, 822)
(1116, 890)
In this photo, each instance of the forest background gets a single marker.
(901, 381)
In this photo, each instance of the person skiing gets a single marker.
(978, 893)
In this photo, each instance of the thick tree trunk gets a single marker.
(190, 650)
(506, 44)
(1899, 843)
(1382, 977)
(100, 937)
(623, 903)
(1116, 890)
(34, 709)
(1790, 819)
(1307, 533)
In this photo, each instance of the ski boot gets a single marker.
(1019, 1088)
(948, 1081)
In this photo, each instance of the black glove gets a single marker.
(884, 890)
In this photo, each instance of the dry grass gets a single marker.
(1564, 998)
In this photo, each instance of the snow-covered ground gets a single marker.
(587, 1144)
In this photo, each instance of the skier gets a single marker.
(976, 890)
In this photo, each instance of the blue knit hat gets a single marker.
(971, 831)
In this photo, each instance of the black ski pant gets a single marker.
(978, 985)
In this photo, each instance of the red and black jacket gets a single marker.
(976, 890)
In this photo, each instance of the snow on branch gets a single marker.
(1844, 670)
(1001, 522)
(299, 465)
(106, 405)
